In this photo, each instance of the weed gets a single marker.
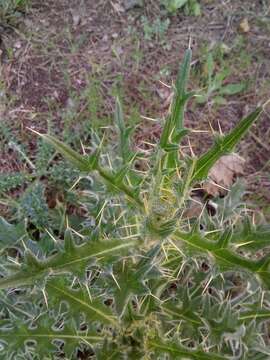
(216, 84)
(136, 278)
(11, 10)
(156, 30)
(191, 7)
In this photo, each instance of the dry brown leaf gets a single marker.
(244, 25)
(195, 209)
(222, 174)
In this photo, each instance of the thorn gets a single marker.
(149, 118)
(83, 149)
(166, 85)
(200, 131)
(264, 106)
(51, 236)
(189, 42)
(88, 292)
(262, 299)
(45, 298)
(100, 214)
(148, 143)
(207, 284)
(114, 279)
(25, 248)
(178, 173)
(211, 128)
(219, 128)
(176, 247)
(75, 183)
(109, 161)
(34, 131)
(77, 233)
(190, 147)
(101, 142)
(180, 270)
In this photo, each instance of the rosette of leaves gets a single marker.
(137, 280)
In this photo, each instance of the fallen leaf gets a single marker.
(195, 208)
(244, 25)
(222, 174)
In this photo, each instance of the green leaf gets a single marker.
(124, 133)
(224, 145)
(210, 66)
(33, 205)
(174, 122)
(90, 163)
(226, 258)
(69, 242)
(195, 8)
(173, 5)
(80, 302)
(257, 314)
(232, 89)
(65, 262)
(45, 335)
(251, 237)
(10, 234)
(79, 161)
(13, 180)
(182, 313)
(177, 351)
(219, 100)
(126, 281)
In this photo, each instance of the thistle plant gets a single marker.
(137, 279)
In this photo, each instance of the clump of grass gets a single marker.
(11, 10)
(137, 278)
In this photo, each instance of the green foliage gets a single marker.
(156, 30)
(191, 7)
(215, 83)
(133, 277)
(10, 10)
(11, 181)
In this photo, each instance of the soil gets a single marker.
(59, 47)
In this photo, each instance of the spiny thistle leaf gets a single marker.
(10, 234)
(174, 122)
(124, 134)
(80, 302)
(79, 161)
(33, 205)
(225, 257)
(87, 164)
(45, 336)
(252, 237)
(125, 284)
(223, 145)
(66, 262)
(176, 351)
